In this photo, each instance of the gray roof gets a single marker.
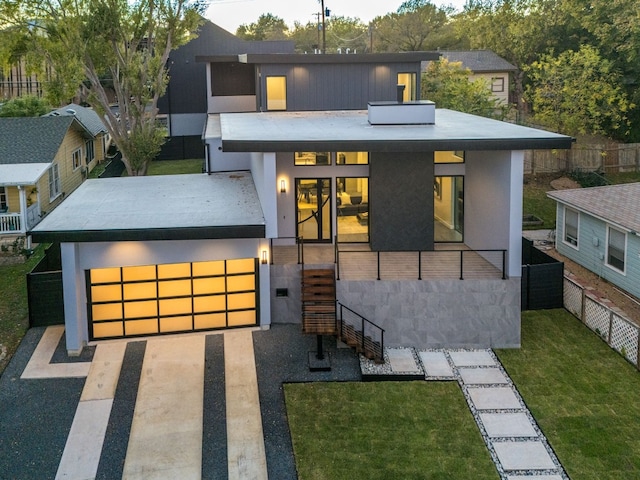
(87, 116)
(164, 207)
(22, 174)
(479, 61)
(616, 204)
(350, 131)
(32, 139)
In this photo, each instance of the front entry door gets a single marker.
(313, 209)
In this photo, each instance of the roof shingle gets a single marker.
(32, 139)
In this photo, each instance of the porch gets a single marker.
(16, 224)
(356, 261)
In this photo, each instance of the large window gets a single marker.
(276, 93)
(448, 209)
(90, 151)
(616, 247)
(312, 158)
(410, 86)
(449, 157)
(352, 158)
(571, 219)
(352, 209)
(54, 182)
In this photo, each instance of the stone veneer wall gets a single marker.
(421, 313)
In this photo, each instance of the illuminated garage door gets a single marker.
(179, 297)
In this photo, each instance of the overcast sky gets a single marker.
(229, 14)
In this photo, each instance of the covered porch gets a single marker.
(19, 198)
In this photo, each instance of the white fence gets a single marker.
(620, 333)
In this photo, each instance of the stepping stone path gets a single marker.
(515, 442)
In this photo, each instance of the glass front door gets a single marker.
(313, 209)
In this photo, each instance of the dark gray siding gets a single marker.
(337, 86)
(187, 89)
(401, 201)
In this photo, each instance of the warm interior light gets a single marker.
(264, 257)
(283, 186)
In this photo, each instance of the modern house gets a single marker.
(312, 163)
(598, 228)
(486, 65)
(42, 159)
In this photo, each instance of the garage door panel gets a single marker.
(155, 299)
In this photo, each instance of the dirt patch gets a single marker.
(564, 183)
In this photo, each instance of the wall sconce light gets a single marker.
(264, 257)
(283, 186)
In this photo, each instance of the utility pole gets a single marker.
(324, 38)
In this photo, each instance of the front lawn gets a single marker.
(407, 430)
(14, 314)
(583, 395)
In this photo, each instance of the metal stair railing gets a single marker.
(368, 338)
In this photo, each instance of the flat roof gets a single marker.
(350, 131)
(335, 58)
(615, 204)
(163, 207)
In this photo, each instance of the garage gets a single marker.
(171, 298)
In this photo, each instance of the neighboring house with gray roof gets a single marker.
(598, 228)
(485, 64)
(42, 159)
(96, 147)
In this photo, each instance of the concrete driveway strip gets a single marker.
(166, 431)
(245, 440)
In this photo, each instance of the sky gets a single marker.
(229, 14)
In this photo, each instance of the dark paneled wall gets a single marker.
(542, 279)
(337, 86)
(401, 201)
(179, 148)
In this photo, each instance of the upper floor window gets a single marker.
(410, 86)
(54, 181)
(616, 248)
(312, 158)
(76, 157)
(456, 156)
(571, 219)
(352, 158)
(276, 90)
(497, 84)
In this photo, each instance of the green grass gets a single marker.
(407, 430)
(175, 167)
(536, 202)
(14, 314)
(583, 395)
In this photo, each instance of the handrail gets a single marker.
(298, 245)
(363, 324)
(501, 265)
(10, 223)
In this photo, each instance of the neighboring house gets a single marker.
(599, 228)
(41, 161)
(95, 148)
(328, 154)
(17, 81)
(486, 65)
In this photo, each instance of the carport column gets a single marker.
(265, 285)
(73, 284)
(514, 261)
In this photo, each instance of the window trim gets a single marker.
(55, 189)
(4, 198)
(90, 151)
(624, 251)
(76, 154)
(500, 82)
(576, 245)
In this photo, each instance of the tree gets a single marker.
(342, 33)
(97, 44)
(417, 26)
(267, 27)
(448, 85)
(26, 106)
(579, 92)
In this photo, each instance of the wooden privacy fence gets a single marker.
(614, 158)
(611, 326)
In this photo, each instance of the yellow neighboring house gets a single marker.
(42, 159)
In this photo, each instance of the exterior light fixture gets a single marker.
(283, 186)
(264, 257)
